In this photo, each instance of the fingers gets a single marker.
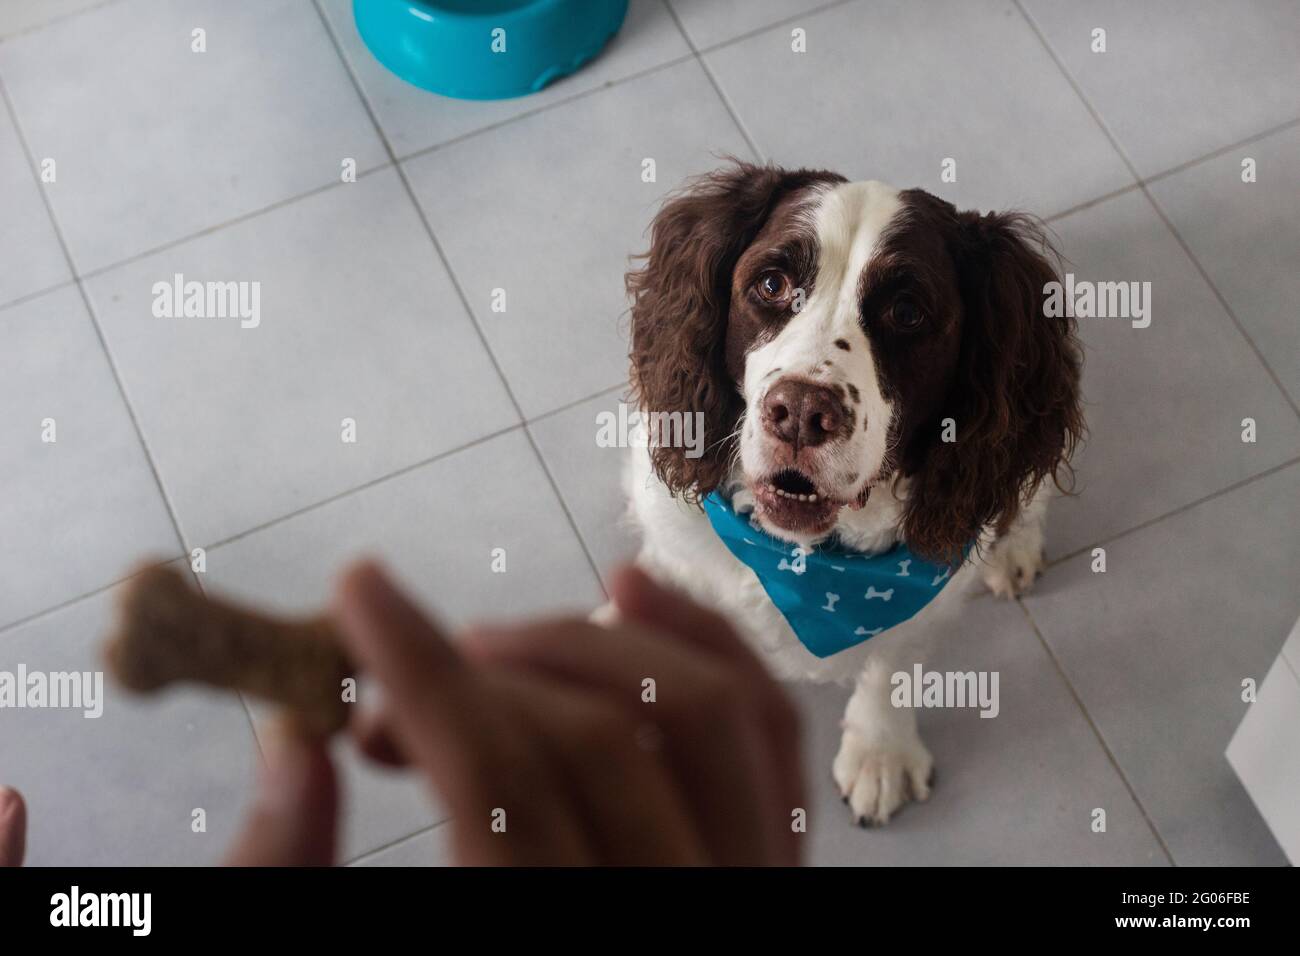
(429, 693)
(439, 715)
(13, 827)
(640, 598)
(633, 813)
(294, 818)
(549, 741)
(370, 731)
(713, 738)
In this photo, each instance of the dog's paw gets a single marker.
(1013, 564)
(876, 779)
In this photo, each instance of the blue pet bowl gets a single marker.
(486, 49)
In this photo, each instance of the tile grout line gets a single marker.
(1286, 662)
(544, 108)
(1142, 185)
(456, 284)
(569, 406)
(234, 221)
(524, 423)
(1222, 151)
(675, 61)
(94, 321)
(1205, 499)
(60, 18)
(1223, 302)
(836, 3)
(29, 296)
(239, 694)
(316, 190)
(361, 857)
(305, 509)
(717, 87)
(100, 270)
(564, 507)
(364, 486)
(419, 210)
(1089, 203)
(1092, 724)
(313, 506)
(783, 22)
(406, 469)
(76, 599)
(1078, 92)
(78, 281)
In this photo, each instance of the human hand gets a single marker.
(542, 728)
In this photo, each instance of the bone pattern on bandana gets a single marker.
(832, 597)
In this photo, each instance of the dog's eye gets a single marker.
(907, 315)
(773, 286)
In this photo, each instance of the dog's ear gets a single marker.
(1015, 397)
(681, 297)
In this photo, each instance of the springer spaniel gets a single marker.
(874, 371)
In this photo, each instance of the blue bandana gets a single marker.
(833, 598)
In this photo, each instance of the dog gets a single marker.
(874, 371)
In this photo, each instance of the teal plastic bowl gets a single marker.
(486, 49)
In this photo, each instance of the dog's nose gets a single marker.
(802, 413)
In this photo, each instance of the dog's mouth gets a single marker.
(792, 500)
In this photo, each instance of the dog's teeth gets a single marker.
(812, 497)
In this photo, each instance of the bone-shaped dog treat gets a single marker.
(169, 632)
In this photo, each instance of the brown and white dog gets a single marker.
(826, 330)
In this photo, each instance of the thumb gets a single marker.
(13, 827)
(294, 817)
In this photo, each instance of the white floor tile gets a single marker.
(1017, 789)
(19, 15)
(429, 848)
(121, 789)
(414, 119)
(155, 142)
(1180, 79)
(708, 22)
(28, 246)
(1247, 238)
(358, 321)
(590, 477)
(550, 208)
(1158, 646)
(437, 528)
(1165, 403)
(891, 90)
(79, 510)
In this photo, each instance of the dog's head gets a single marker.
(828, 330)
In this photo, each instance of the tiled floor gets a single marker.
(476, 427)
